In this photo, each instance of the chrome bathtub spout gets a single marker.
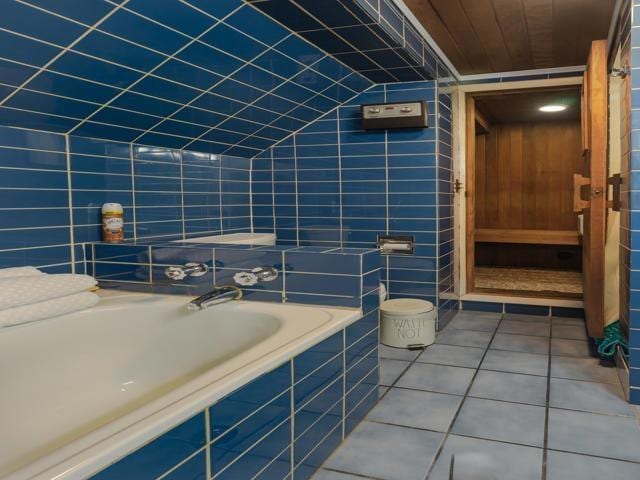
(216, 296)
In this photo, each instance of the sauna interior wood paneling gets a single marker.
(565, 257)
(524, 176)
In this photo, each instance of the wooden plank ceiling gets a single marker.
(485, 36)
(523, 107)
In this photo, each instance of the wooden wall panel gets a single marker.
(481, 172)
(565, 257)
(524, 176)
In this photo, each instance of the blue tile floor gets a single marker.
(510, 397)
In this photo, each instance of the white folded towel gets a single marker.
(50, 308)
(18, 291)
(19, 272)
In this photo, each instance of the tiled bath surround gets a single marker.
(284, 424)
(348, 277)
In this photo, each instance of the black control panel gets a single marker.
(395, 115)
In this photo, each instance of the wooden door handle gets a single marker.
(616, 182)
(578, 182)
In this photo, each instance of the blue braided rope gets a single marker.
(612, 337)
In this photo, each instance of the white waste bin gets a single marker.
(408, 322)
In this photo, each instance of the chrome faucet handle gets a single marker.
(259, 274)
(246, 279)
(265, 274)
(191, 269)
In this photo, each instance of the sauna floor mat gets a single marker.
(528, 279)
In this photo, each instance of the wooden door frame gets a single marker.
(595, 98)
(469, 190)
(464, 163)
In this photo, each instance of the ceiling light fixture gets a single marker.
(553, 108)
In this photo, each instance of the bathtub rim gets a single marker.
(106, 445)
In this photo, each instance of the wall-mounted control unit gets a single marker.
(395, 115)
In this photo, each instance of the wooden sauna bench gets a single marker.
(534, 237)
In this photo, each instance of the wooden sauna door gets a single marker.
(590, 186)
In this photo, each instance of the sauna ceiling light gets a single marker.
(553, 108)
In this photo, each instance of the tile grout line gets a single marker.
(292, 413)
(340, 193)
(182, 211)
(207, 424)
(273, 191)
(251, 202)
(219, 168)
(436, 87)
(499, 401)
(297, 195)
(464, 398)
(546, 408)
(72, 241)
(133, 190)
(343, 433)
(387, 258)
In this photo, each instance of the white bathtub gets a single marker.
(81, 390)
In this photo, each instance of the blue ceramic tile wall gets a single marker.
(630, 211)
(373, 38)
(34, 200)
(447, 302)
(334, 184)
(53, 186)
(189, 75)
(281, 425)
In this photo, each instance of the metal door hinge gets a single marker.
(621, 72)
(615, 181)
(457, 186)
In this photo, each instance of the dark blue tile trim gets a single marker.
(482, 306)
(527, 309)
